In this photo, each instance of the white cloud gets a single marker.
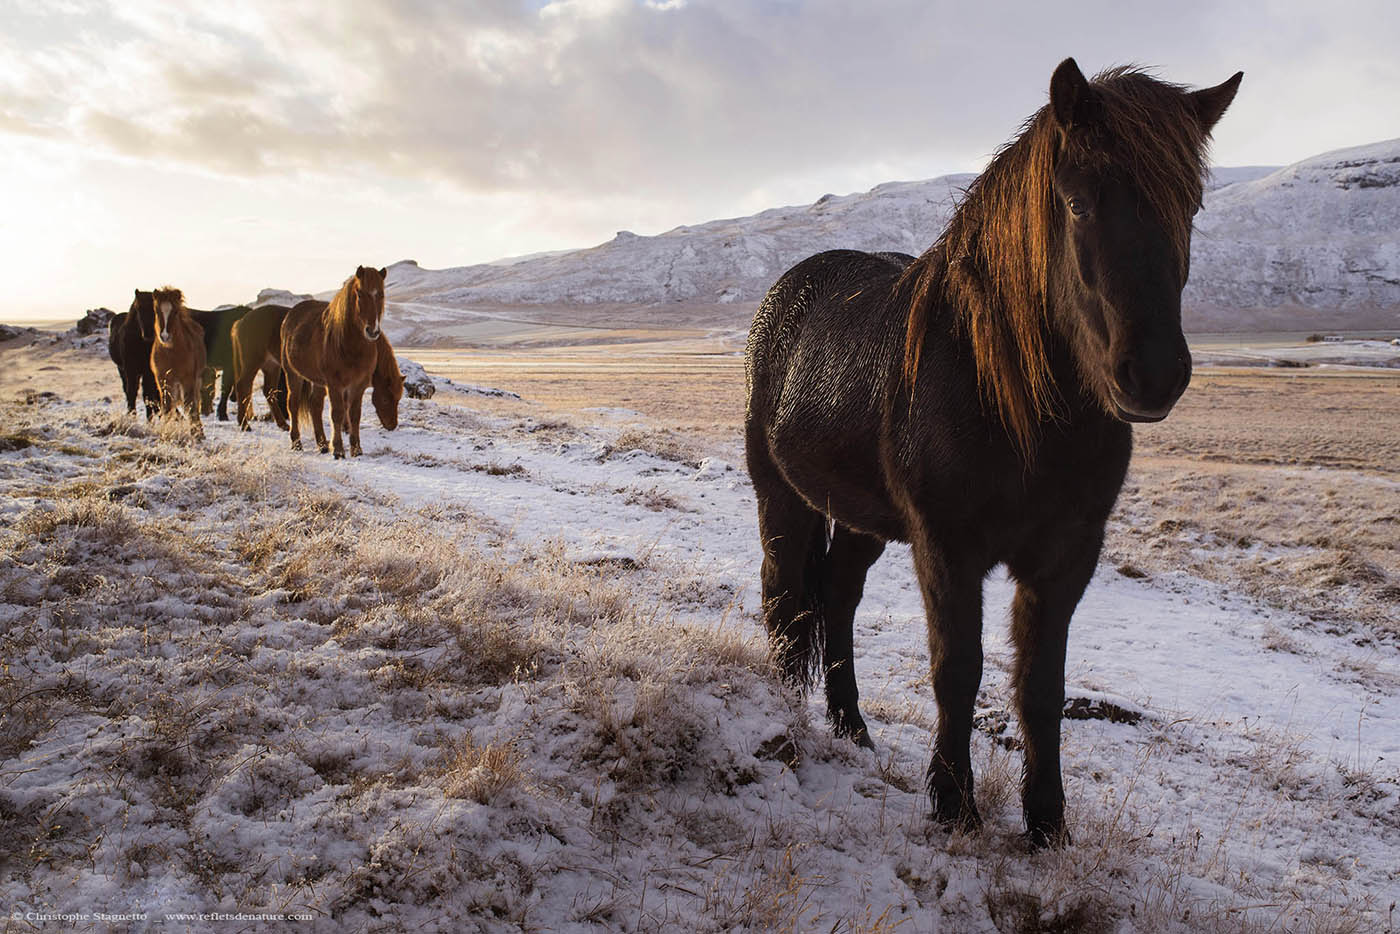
(584, 115)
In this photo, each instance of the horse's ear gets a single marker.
(1210, 103)
(384, 272)
(359, 272)
(1070, 95)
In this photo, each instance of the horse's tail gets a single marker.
(809, 629)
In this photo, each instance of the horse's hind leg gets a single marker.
(225, 389)
(337, 421)
(315, 393)
(848, 560)
(243, 390)
(294, 388)
(1048, 587)
(793, 536)
(275, 392)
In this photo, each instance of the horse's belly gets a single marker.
(839, 480)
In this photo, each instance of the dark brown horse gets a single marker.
(177, 356)
(335, 344)
(256, 340)
(387, 384)
(218, 351)
(129, 338)
(975, 403)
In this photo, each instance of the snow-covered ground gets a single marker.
(243, 679)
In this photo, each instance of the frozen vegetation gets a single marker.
(504, 672)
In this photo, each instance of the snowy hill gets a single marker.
(1311, 245)
(1316, 236)
(722, 261)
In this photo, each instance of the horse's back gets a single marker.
(256, 337)
(815, 317)
(823, 357)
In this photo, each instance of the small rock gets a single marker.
(417, 384)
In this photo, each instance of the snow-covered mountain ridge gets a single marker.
(1313, 244)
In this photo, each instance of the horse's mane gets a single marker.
(338, 317)
(991, 264)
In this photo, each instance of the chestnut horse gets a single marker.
(387, 392)
(256, 339)
(975, 402)
(336, 345)
(177, 356)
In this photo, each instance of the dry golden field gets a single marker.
(1285, 482)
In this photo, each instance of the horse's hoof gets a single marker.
(296, 445)
(339, 455)
(851, 727)
(1046, 838)
(325, 449)
(966, 820)
(955, 810)
(356, 451)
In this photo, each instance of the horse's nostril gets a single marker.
(1126, 373)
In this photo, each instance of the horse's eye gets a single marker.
(1077, 207)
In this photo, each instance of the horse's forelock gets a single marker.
(1150, 131)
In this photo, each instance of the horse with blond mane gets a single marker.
(177, 355)
(975, 402)
(335, 344)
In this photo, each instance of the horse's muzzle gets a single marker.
(1143, 393)
(372, 334)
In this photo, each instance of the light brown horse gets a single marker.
(387, 392)
(257, 346)
(337, 346)
(177, 355)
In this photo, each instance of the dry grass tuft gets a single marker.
(661, 442)
(482, 773)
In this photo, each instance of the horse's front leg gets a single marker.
(1049, 583)
(196, 425)
(952, 593)
(357, 398)
(150, 392)
(338, 412)
(131, 384)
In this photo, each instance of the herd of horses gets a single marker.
(172, 354)
(974, 402)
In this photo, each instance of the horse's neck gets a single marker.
(338, 317)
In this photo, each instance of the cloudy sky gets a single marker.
(228, 146)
